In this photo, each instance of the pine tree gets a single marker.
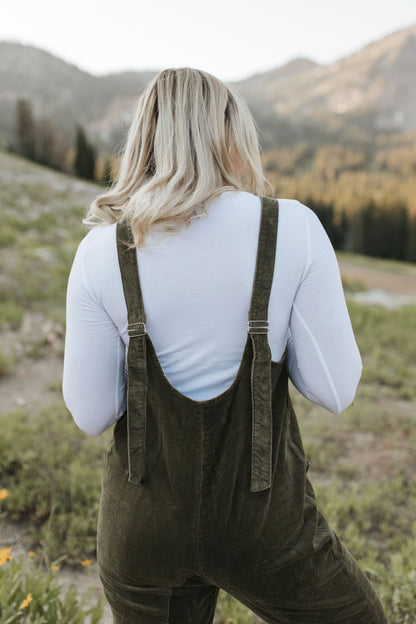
(411, 239)
(84, 157)
(45, 143)
(25, 129)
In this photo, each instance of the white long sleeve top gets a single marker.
(196, 287)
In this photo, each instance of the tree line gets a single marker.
(42, 142)
(364, 195)
(372, 230)
(364, 192)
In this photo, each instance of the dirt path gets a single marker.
(33, 384)
(393, 282)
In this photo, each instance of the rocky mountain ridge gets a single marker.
(379, 79)
(377, 83)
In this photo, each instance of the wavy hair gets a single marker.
(192, 137)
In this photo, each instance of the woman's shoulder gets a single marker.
(296, 220)
(97, 252)
(99, 241)
(297, 217)
(99, 235)
(292, 208)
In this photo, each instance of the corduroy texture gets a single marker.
(136, 356)
(195, 522)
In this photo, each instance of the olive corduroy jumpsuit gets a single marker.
(202, 495)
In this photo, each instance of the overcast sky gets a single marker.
(229, 38)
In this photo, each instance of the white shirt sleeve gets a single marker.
(94, 380)
(323, 358)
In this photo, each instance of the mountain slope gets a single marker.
(376, 85)
(62, 92)
(379, 79)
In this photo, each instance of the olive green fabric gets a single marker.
(202, 495)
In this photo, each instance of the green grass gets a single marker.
(52, 473)
(6, 363)
(11, 313)
(8, 236)
(41, 228)
(386, 341)
(353, 285)
(230, 611)
(23, 583)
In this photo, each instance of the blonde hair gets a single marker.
(192, 138)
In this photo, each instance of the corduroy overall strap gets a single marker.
(261, 385)
(136, 358)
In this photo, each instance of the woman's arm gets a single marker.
(94, 384)
(324, 361)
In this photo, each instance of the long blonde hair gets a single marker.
(192, 138)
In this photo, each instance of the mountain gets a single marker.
(373, 88)
(379, 80)
(63, 93)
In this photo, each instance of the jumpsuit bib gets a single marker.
(202, 495)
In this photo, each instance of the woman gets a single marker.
(205, 481)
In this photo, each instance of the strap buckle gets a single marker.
(136, 329)
(257, 327)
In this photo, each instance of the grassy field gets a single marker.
(363, 461)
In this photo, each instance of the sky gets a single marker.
(231, 39)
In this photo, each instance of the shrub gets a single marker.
(29, 594)
(11, 313)
(6, 363)
(52, 472)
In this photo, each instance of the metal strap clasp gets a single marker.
(257, 327)
(136, 329)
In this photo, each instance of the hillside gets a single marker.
(375, 88)
(41, 213)
(62, 92)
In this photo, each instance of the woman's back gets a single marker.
(196, 288)
(202, 495)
